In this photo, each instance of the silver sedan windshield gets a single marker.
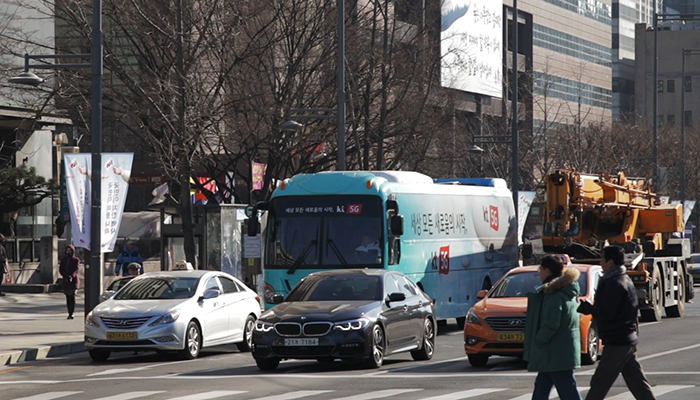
(160, 287)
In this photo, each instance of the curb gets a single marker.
(41, 352)
(31, 288)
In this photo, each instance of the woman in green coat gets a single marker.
(552, 336)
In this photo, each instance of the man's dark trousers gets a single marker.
(618, 359)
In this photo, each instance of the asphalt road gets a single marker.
(669, 351)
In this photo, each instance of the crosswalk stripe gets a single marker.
(379, 394)
(294, 395)
(49, 396)
(464, 394)
(552, 395)
(210, 395)
(658, 390)
(130, 395)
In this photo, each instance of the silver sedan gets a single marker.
(181, 311)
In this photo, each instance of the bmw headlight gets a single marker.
(91, 320)
(167, 318)
(264, 326)
(351, 325)
(472, 318)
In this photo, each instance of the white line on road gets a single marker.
(123, 370)
(130, 395)
(294, 395)
(665, 353)
(465, 394)
(49, 396)
(421, 365)
(379, 394)
(210, 395)
(552, 395)
(658, 391)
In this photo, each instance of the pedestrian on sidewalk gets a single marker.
(615, 312)
(129, 254)
(69, 267)
(552, 336)
(4, 263)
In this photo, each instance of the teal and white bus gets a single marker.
(453, 237)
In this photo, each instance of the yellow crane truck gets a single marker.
(584, 212)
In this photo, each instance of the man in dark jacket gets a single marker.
(615, 313)
(129, 254)
(552, 335)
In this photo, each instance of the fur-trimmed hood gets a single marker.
(568, 276)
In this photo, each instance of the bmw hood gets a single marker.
(319, 310)
(135, 308)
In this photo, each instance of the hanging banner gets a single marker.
(258, 175)
(77, 167)
(524, 203)
(116, 170)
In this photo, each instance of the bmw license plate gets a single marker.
(301, 342)
(121, 335)
(511, 337)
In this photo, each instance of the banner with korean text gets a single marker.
(258, 175)
(116, 170)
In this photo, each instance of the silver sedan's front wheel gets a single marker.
(193, 341)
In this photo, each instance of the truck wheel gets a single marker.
(653, 314)
(677, 311)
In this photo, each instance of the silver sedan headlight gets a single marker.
(351, 325)
(167, 318)
(91, 320)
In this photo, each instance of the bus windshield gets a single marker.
(324, 232)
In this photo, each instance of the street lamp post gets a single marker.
(340, 110)
(93, 271)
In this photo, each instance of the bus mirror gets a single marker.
(249, 211)
(397, 225)
(392, 205)
(253, 226)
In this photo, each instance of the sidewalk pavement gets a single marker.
(33, 326)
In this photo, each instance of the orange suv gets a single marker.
(495, 326)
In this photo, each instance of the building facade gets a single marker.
(672, 87)
(625, 15)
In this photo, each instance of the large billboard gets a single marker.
(471, 42)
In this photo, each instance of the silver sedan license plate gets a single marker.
(301, 342)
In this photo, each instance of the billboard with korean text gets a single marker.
(471, 42)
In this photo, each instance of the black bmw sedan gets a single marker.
(365, 314)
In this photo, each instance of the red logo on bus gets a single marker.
(444, 260)
(354, 209)
(493, 217)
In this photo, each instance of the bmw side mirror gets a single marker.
(481, 294)
(277, 298)
(396, 297)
